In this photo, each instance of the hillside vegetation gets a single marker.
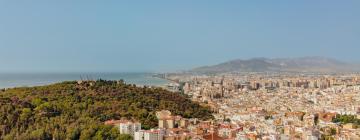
(72, 110)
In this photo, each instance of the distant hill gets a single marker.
(303, 64)
(74, 110)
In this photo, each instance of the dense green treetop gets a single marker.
(72, 110)
(345, 119)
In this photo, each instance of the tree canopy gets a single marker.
(77, 110)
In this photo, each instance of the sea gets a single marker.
(10, 80)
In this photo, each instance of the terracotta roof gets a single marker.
(115, 122)
(213, 137)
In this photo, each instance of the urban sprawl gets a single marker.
(269, 106)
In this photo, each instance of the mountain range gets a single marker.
(301, 64)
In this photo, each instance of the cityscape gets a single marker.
(265, 106)
(179, 70)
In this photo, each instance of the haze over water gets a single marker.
(20, 80)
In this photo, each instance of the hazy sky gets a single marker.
(151, 35)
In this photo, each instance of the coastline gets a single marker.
(38, 79)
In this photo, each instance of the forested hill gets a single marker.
(72, 110)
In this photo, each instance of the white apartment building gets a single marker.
(129, 128)
(149, 135)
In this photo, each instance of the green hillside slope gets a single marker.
(72, 110)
